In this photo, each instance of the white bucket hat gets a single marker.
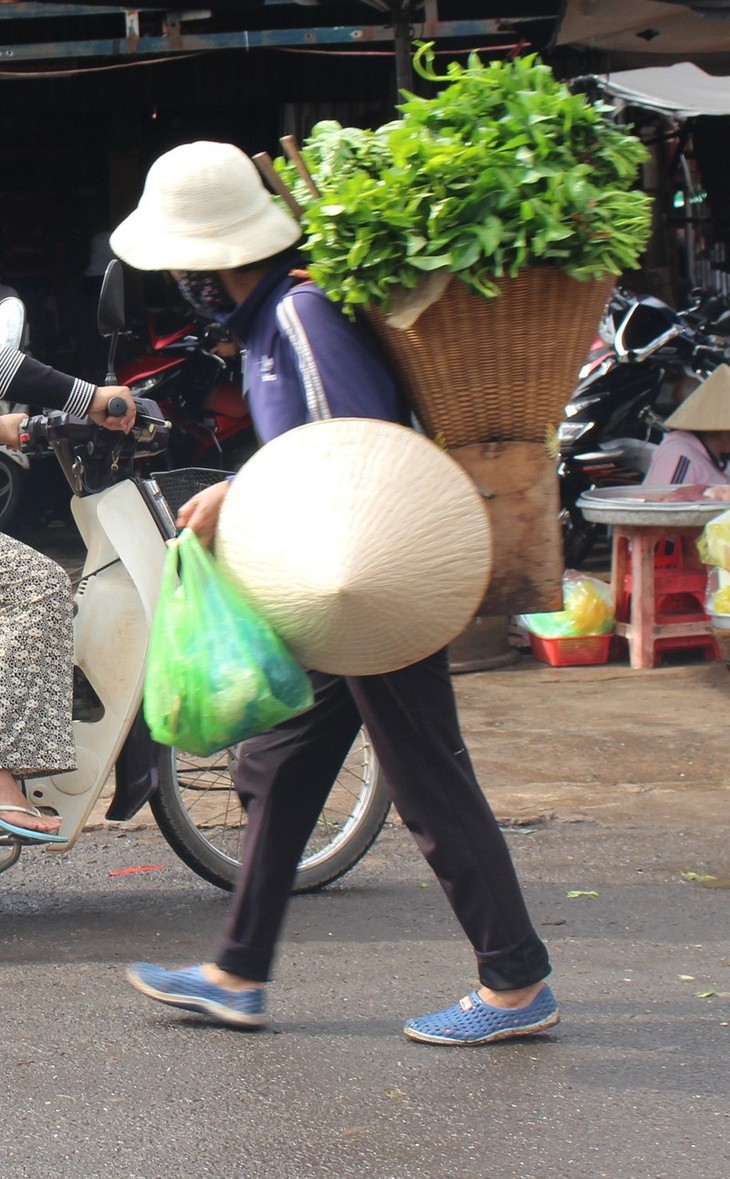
(363, 543)
(204, 207)
(708, 407)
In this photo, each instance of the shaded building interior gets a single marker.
(93, 93)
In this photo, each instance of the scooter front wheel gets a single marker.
(12, 482)
(198, 812)
(579, 537)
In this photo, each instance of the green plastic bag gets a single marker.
(216, 672)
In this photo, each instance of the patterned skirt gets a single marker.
(36, 663)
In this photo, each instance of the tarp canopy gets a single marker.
(683, 90)
(641, 32)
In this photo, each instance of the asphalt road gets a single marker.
(98, 1082)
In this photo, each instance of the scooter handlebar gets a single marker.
(149, 433)
(116, 407)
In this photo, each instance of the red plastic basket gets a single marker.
(572, 652)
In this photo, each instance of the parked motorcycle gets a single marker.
(196, 374)
(614, 419)
(125, 520)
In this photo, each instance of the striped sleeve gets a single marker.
(10, 362)
(27, 381)
(79, 398)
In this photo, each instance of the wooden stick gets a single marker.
(265, 165)
(291, 150)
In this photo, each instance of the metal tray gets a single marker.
(633, 505)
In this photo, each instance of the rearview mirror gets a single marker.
(646, 322)
(110, 316)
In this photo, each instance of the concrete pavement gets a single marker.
(604, 742)
(617, 781)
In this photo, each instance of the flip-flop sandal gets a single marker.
(26, 834)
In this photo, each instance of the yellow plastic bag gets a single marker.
(713, 544)
(588, 603)
(588, 610)
(721, 600)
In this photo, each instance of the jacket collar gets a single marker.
(239, 320)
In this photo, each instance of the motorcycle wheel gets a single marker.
(12, 479)
(579, 537)
(198, 812)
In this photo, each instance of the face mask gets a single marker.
(204, 291)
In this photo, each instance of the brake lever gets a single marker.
(150, 421)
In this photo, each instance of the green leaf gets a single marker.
(501, 168)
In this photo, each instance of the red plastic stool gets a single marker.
(689, 585)
(658, 592)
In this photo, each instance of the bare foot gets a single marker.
(222, 978)
(12, 795)
(519, 998)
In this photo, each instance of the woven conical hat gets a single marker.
(708, 407)
(364, 545)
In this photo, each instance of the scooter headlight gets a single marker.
(569, 432)
(142, 388)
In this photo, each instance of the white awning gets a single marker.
(683, 90)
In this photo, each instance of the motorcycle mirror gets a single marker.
(619, 340)
(110, 317)
(12, 322)
(646, 320)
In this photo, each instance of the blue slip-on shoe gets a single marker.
(472, 1021)
(191, 990)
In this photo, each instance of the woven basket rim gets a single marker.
(502, 369)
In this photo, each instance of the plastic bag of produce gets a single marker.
(589, 603)
(713, 544)
(588, 610)
(216, 673)
(717, 592)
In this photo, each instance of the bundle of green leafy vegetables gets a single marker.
(503, 169)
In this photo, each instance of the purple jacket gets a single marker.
(305, 360)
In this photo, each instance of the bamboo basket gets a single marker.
(502, 369)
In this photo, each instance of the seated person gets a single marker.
(36, 634)
(697, 447)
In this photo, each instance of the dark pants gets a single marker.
(285, 775)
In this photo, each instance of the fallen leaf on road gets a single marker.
(696, 876)
(579, 892)
(705, 994)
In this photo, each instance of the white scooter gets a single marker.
(125, 520)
